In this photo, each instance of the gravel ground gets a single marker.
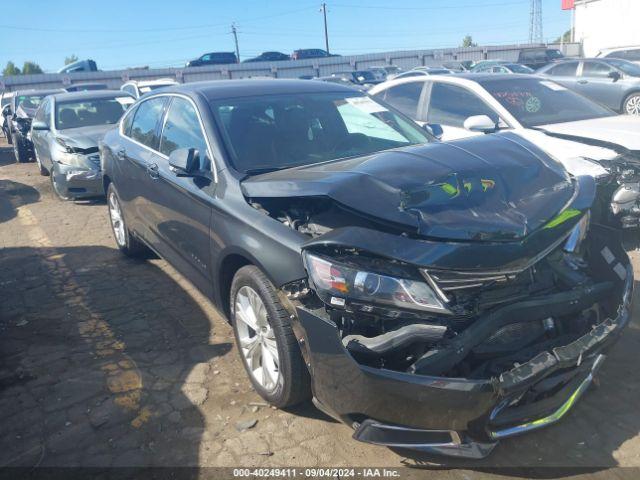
(105, 361)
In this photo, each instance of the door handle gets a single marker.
(122, 153)
(583, 82)
(152, 170)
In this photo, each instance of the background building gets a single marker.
(606, 24)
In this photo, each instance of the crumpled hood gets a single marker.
(84, 137)
(623, 130)
(496, 187)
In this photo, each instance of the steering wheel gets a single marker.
(351, 141)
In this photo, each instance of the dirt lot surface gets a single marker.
(105, 361)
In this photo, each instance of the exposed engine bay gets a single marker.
(474, 324)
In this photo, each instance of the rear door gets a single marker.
(565, 73)
(138, 161)
(183, 204)
(595, 82)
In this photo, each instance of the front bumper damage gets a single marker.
(465, 417)
(79, 182)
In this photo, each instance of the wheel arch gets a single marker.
(626, 97)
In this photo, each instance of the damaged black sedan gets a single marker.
(434, 296)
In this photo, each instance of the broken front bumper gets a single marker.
(78, 182)
(450, 416)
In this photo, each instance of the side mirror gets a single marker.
(480, 123)
(39, 125)
(615, 76)
(434, 129)
(185, 161)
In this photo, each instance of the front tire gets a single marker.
(128, 244)
(632, 104)
(58, 189)
(20, 150)
(266, 342)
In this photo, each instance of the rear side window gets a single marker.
(596, 69)
(405, 97)
(127, 121)
(631, 55)
(565, 69)
(452, 105)
(145, 122)
(182, 129)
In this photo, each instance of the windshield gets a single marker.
(517, 68)
(29, 101)
(364, 76)
(281, 131)
(85, 113)
(553, 54)
(535, 102)
(627, 67)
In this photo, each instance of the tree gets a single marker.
(30, 68)
(467, 41)
(564, 38)
(70, 59)
(10, 69)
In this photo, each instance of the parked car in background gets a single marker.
(343, 80)
(137, 88)
(306, 53)
(269, 57)
(80, 66)
(359, 77)
(536, 58)
(385, 72)
(567, 125)
(631, 54)
(359, 260)
(5, 111)
(214, 58)
(66, 131)
(83, 87)
(502, 67)
(423, 72)
(610, 81)
(23, 107)
(455, 66)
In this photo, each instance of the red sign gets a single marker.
(568, 4)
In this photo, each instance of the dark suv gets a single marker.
(539, 57)
(306, 53)
(433, 296)
(214, 58)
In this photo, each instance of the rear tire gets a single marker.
(128, 244)
(272, 335)
(631, 104)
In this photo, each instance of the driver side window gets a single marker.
(596, 69)
(451, 105)
(182, 129)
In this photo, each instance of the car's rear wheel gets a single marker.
(126, 242)
(632, 104)
(266, 342)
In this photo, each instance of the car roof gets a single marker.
(155, 81)
(91, 94)
(220, 89)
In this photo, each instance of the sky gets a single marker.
(119, 34)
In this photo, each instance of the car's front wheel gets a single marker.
(127, 243)
(20, 150)
(58, 186)
(266, 342)
(632, 104)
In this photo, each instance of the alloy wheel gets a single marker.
(117, 222)
(257, 338)
(632, 107)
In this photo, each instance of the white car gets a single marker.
(587, 138)
(631, 54)
(137, 88)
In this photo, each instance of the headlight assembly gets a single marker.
(336, 284)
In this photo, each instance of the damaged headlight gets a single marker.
(334, 283)
(578, 234)
(67, 156)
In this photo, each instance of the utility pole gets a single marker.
(323, 9)
(234, 30)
